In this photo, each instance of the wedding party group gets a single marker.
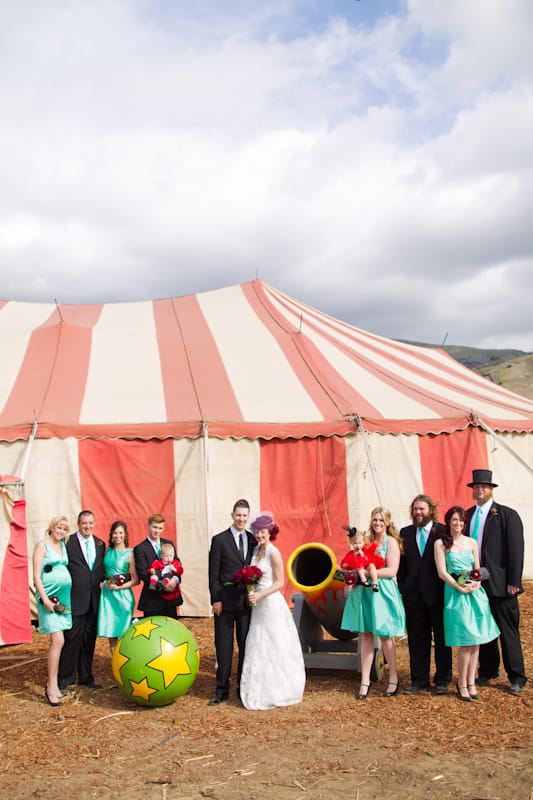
(443, 585)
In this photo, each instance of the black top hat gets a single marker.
(482, 476)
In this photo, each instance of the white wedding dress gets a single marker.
(273, 672)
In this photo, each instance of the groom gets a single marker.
(230, 551)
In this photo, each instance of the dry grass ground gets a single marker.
(330, 746)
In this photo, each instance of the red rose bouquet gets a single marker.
(248, 577)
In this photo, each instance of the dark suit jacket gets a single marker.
(85, 592)
(502, 549)
(418, 579)
(151, 603)
(224, 561)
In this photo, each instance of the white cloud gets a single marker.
(380, 170)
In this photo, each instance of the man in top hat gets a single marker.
(499, 533)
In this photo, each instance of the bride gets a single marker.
(273, 672)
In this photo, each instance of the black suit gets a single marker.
(423, 596)
(78, 651)
(502, 553)
(224, 561)
(152, 603)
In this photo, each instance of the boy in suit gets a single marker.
(86, 566)
(149, 550)
(499, 533)
(230, 551)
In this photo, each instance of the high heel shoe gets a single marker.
(473, 686)
(396, 685)
(362, 696)
(52, 703)
(461, 696)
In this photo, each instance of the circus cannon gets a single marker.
(318, 606)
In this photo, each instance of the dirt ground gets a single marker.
(99, 744)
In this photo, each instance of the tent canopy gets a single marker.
(248, 360)
(183, 405)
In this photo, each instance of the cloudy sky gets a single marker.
(372, 158)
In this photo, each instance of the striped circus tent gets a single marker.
(183, 405)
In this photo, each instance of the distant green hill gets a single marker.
(512, 369)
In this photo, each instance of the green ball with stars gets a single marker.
(155, 661)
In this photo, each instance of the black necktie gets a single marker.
(241, 546)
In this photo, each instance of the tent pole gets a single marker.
(382, 495)
(500, 440)
(208, 509)
(27, 452)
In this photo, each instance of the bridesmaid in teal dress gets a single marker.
(468, 621)
(378, 613)
(52, 580)
(115, 611)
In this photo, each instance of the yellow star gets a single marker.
(172, 661)
(144, 628)
(142, 689)
(117, 662)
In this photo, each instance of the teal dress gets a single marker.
(467, 617)
(116, 605)
(381, 613)
(56, 583)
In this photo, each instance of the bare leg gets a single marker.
(54, 652)
(366, 653)
(472, 669)
(372, 571)
(362, 577)
(112, 643)
(389, 651)
(463, 660)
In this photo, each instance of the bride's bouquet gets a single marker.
(248, 577)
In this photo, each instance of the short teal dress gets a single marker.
(56, 583)
(467, 617)
(116, 605)
(381, 613)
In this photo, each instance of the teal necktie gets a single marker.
(475, 528)
(90, 559)
(423, 540)
(158, 549)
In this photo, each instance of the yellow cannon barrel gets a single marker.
(312, 569)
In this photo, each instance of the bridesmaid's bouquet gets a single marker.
(248, 577)
(118, 580)
(480, 574)
(59, 608)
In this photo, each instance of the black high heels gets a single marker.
(474, 695)
(396, 686)
(461, 696)
(362, 696)
(52, 703)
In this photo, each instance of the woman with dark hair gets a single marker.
(378, 613)
(116, 599)
(273, 672)
(53, 584)
(468, 621)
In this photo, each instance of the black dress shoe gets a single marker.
(92, 685)
(441, 688)
(216, 701)
(415, 689)
(483, 679)
(517, 689)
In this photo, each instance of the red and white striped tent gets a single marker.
(183, 405)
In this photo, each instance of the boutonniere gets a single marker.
(493, 512)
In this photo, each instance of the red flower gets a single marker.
(248, 575)
(350, 579)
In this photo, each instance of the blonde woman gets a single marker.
(378, 613)
(53, 583)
